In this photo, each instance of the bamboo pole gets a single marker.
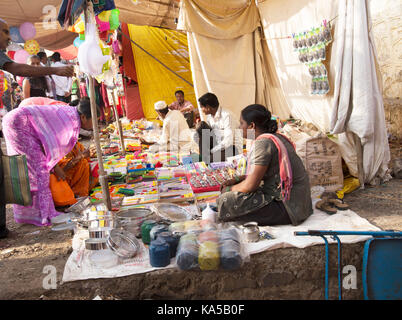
(102, 176)
(88, 14)
(118, 123)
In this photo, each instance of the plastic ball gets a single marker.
(11, 54)
(15, 35)
(14, 47)
(78, 42)
(32, 46)
(27, 31)
(21, 56)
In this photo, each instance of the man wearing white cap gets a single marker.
(176, 135)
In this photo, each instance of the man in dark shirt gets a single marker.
(23, 70)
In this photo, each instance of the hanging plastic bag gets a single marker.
(90, 55)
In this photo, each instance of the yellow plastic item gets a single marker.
(104, 15)
(349, 185)
(208, 255)
(154, 80)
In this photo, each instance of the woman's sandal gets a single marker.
(339, 204)
(325, 206)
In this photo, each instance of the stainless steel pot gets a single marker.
(251, 231)
(96, 244)
(99, 233)
(130, 220)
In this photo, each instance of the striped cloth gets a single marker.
(57, 129)
(45, 134)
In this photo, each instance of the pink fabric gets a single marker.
(40, 101)
(285, 168)
(83, 90)
(59, 129)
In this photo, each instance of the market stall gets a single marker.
(157, 210)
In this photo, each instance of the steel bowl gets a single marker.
(99, 233)
(95, 244)
(130, 220)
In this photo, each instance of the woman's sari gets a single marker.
(45, 131)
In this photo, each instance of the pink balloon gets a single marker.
(27, 31)
(21, 56)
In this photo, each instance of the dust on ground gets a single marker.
(28, 249)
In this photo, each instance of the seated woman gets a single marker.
(75, 170)
(45, 131)
(35, 86)
(276, 189)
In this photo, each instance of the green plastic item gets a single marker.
(125, 191)
(146, 227)
(114, 19)
(116, 174)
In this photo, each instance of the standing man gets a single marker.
(24, 70)
(219, 135)
(50, 83)
(63, 84)
(184, 106)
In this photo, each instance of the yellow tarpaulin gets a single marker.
(154, 80)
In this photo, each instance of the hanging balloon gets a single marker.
(14, 47)
(15, 35)
(11, 54)
(78, 42)
(27, 31)
(114, 19)
(21, 56)
(32, 46)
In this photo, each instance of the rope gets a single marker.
(136, 44)
(290, 37)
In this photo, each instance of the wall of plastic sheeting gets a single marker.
(154, 80)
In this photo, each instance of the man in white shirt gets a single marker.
(219, 137)
(176, 135)
(63, 84)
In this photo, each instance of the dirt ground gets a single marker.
(28, 249)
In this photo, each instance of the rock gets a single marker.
(396, 166)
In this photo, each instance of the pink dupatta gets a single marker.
(285, 169)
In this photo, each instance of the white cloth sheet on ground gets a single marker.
(79, 267)
(284, 237)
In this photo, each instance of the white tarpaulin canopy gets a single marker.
(229, 59)
(158, 13)
(242, 52)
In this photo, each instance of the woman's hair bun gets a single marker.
(261, 117)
